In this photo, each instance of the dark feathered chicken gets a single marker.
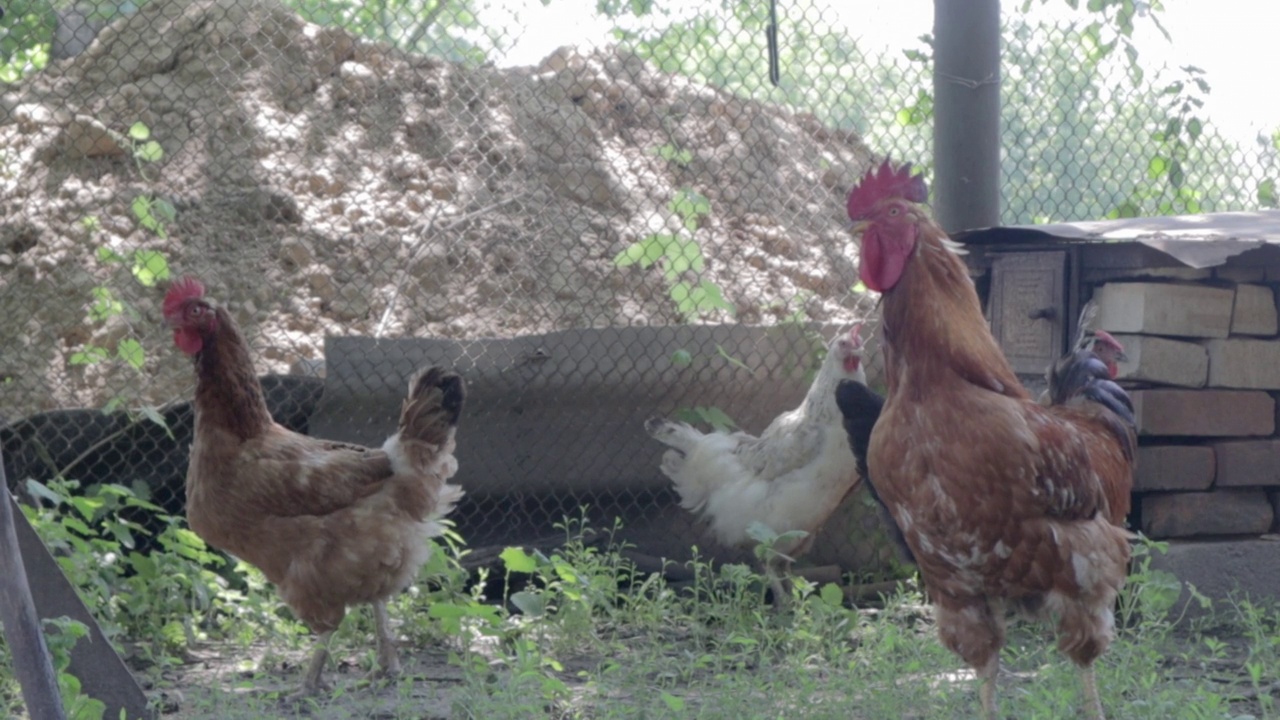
(860, 406)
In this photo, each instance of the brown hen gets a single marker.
(330, 524)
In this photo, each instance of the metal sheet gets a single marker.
(1198, 241)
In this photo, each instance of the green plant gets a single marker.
(62, 635)
(147, 267)
(677, 255)
(24, 38)
(1174, 142)
(674, 154)
(164, 597)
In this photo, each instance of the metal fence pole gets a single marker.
(966, 131)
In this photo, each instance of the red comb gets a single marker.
(183, 289)
(1107, 338)
(855, 334)
(885, 182)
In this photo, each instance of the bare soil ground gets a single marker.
(328, 185)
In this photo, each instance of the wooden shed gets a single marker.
(1193, 300)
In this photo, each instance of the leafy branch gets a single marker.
(678, 254)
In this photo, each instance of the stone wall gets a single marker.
(1204, 365)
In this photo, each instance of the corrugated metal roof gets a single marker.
(1198, 241)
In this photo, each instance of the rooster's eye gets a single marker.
(893, 211)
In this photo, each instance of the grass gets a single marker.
(580, 634)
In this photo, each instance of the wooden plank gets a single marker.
(31, 662)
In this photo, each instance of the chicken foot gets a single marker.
(388, 660)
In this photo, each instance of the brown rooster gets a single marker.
(1006, 504)
(329, 524)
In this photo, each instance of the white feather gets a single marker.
(789, 478)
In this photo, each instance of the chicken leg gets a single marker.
(778, 571)
(1092, 702)
(987, 691)
(312, 683)
(388, 660)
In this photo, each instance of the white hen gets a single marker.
(790, 478)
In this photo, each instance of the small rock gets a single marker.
(295, 252)
(322, 285)
(86, 137)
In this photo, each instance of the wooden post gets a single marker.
(31, 662)
(966, 113)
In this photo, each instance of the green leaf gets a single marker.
(673, 703)
(39, 489)
(731, 359)
(645, 252)
(165, 210)
(707, 297)
(86, 506)
(139, 131)
(530, 603)
(104, 305)
(151, 413)
(1267, 193)
(150, 267)
(681, 358)
(149, 151)
(1194, 129)
(517, 560)
(683, 255)
(832, 595)
(718, 419)
(1157, 166)
(88, 356)
(1175, 174)
(689, 205)
(106, 254)
(130, 350)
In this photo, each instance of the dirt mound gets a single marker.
(324, 184)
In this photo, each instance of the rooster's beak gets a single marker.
(860, 226)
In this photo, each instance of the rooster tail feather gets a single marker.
(428, 420)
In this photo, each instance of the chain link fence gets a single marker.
(393, 170)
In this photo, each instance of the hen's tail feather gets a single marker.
(427, 419)
(861, 406)
(678, 435)
(448, 497)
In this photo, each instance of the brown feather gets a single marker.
(331, 524)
